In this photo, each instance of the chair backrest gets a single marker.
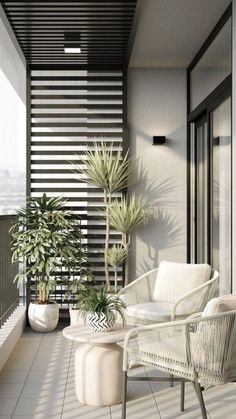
(221, 304)
(174, 280)
(213, 341)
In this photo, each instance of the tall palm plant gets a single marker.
(109, 170)
(126, 216)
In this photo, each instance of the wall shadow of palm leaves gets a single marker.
(156, 192)
(162, 233)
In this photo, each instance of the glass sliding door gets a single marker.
(221, 193)
(211, 191)
(209, 92)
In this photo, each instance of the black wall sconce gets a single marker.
(158, 140)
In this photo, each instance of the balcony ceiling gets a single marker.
(170, 32)
(102, 28)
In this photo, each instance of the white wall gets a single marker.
(12, 120)
(157, 106)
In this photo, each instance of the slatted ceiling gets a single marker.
(102, 28)
(60, 134)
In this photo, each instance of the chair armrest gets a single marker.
(201, 344)
(141, 290)
(136, 337)
(202, 294)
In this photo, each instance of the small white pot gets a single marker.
(43, 317)
(75, 318)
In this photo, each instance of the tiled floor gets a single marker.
(37, 382)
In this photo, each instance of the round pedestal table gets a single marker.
(98, 364)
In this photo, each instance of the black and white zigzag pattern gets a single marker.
(100, 323)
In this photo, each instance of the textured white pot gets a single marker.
(43, 317)
(75, 318)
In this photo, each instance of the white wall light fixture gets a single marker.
(72, 50)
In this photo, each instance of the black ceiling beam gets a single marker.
(103, 27)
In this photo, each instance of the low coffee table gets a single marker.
(98, 364)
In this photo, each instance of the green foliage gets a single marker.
(110, 171)
(45, 239)
(116, 255)
(106, 169)
(78, 287)
(100, 301)
(128, 214)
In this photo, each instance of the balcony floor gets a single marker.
(37, 382)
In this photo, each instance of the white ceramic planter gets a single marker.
(75, 318)
(43, 317)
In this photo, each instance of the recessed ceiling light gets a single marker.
(72, 50)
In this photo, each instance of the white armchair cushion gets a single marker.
(174, 280)
(220, 305)
(154, 312)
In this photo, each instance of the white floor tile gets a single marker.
(45, 406)
(20, 355)
(41, 373)
(7, 406)
(35, 416)
(73, 409)
(15, 365)
(14, 377)
(34, 390)
(47, 377)
(10, 391)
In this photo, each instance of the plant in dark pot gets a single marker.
(102, 308)
(46, 240)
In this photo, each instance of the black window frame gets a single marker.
(215, 98)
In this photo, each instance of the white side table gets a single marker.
(98, 364)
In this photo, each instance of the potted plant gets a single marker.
(126, 215)
(101, 308)
(76, 288)
(46, 239)
(111, 171)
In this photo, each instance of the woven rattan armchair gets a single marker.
(143, 308)
(201, 350)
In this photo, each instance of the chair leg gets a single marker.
(124, 395)
(201, 400)
(171, 381)
(182, 394)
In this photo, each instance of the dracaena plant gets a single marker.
(46, 239)
(107, 169)
(115, 256)
(78, 286)
(126, 215)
